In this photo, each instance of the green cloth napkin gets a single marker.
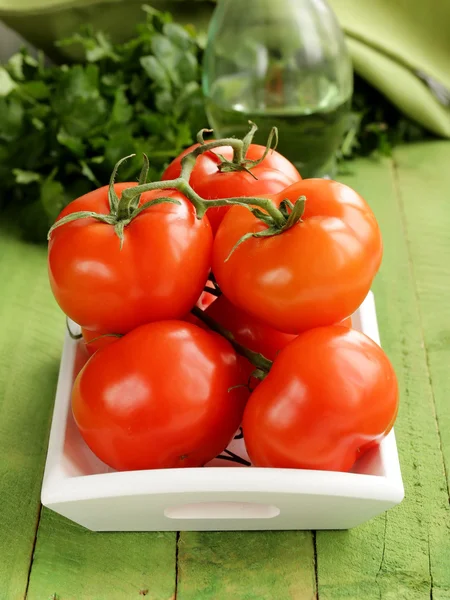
(402, 48)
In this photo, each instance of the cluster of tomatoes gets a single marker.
(220, 297)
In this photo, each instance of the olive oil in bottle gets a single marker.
(308, 136)
(282, 64)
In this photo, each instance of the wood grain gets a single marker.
(403, 553)
(423, 182)
(71, 563)
(31, 331)
(272, 565)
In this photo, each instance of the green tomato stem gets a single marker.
(258, 360)
(105, 335)
(239, 161)
(188, 161)
(201, 205)
(249, 202)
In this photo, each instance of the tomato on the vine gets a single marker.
(157, 272)
(315, 273)
(272, 175)
(163, 396)
(330, 395)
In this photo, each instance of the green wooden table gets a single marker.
(402, 554)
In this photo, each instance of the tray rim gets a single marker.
(59, 488)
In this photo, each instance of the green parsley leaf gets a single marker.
(63, 127)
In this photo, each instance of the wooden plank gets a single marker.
(273, 565)
(406, 553)
(423, 179)
(31, 331)
(71, 563)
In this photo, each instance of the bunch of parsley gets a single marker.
(62, 128)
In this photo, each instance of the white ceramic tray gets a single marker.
(82, 488)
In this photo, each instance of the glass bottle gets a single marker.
(283, 63)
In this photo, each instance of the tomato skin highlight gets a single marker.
(160, 397)
(273, 174)
(314, 274)
(158, 273)
(299, 418)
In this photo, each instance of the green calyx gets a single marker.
(121, 211)
(240, 148)
(292, 214)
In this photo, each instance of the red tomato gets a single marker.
(273, 174)
(316, 273)
(330, 395)
(93, 340)
(206, 298)
(247, 330)
(160, 397)
(158, 273)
